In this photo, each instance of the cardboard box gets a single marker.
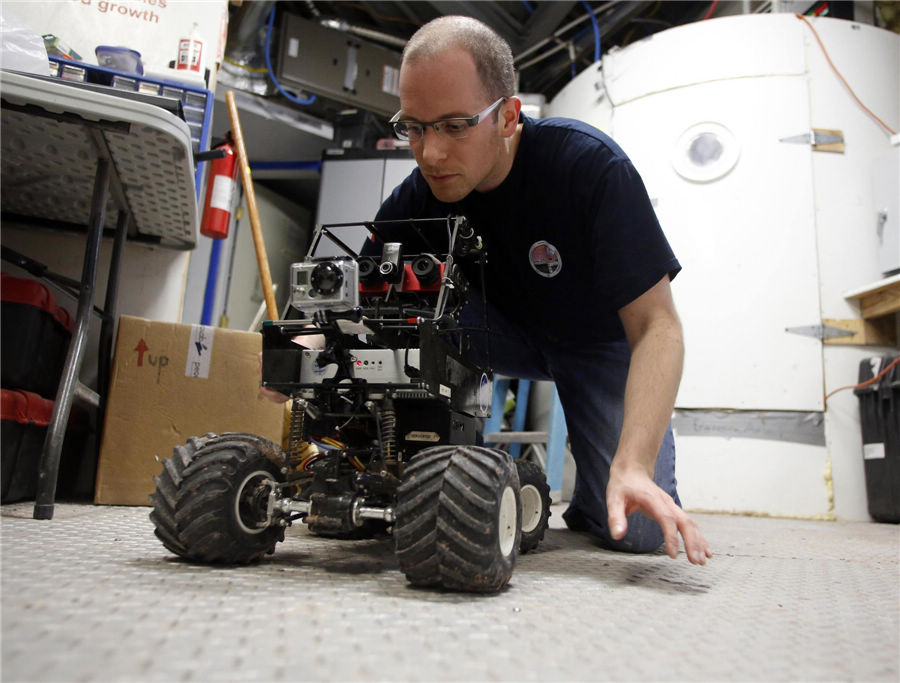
(169, 382)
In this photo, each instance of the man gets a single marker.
(578, 276)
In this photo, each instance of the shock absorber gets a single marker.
(296, 432)
(388, 425)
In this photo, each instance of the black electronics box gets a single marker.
(358, 129)
(34, 336)
(879, 408)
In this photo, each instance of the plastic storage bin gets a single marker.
(34, 336)
(196, 102)
(25, 417)
(879, 407)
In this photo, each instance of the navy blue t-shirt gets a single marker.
(570, 234)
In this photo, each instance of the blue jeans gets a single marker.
(591, 387)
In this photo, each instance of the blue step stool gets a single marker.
(549, 446)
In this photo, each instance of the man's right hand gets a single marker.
(630, 490)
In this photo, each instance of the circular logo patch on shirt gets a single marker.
(545, 259)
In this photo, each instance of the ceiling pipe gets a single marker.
(367, 33)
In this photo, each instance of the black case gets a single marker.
(880, 422)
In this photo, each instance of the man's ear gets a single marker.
(509, 116)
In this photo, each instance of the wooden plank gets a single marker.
(837, 147)
(887, 283)
(881, 298)
(880, 303)
(878, 332)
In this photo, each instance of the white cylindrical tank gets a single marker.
(717, 117)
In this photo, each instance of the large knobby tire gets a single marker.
(211, 495)
(535, 494)
(458, 519)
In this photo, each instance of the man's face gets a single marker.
(442, 87)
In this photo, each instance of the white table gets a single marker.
(76, 158)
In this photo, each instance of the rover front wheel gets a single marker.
(458, 519)
(210, 503)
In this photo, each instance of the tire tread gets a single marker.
(446, 528)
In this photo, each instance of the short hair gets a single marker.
(492, 55)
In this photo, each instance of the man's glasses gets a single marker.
(452, 128)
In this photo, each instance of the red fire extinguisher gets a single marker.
(221, 181)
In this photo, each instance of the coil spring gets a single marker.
(389, 433)
(296, 432)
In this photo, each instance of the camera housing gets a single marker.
(325, 283)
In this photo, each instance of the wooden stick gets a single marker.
(262, 260)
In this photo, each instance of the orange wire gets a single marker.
(867, 382)
(847, 85)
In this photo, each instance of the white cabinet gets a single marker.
(352, 191)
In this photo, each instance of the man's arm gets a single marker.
(657, 352)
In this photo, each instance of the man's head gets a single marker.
(456, 67)
(491, 54)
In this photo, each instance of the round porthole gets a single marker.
(705, 152)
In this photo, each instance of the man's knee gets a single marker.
(643, 535)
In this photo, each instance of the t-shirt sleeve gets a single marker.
(629, 246)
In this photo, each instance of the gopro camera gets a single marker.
(331, 283)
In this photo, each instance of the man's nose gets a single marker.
(434, 146)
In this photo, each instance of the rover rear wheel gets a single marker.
(535, 494)
(458, 523)
(211, 499)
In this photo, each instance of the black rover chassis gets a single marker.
(383, 431)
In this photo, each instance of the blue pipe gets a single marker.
(285, 165)
(212, 275)
(596, 30)
(295, 100)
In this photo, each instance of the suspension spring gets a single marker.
(296, 432)
(388, 423)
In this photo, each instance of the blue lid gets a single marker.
(118, 57)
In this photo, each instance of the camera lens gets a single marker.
(427, 269)
(368, 271)
(326, 278)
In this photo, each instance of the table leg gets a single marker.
(69, 383)
(108, 326)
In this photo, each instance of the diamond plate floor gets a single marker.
(93, 596)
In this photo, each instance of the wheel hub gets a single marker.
(508, 518)
(531, 508)
(251, 502)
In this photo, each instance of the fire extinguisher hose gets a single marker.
(262, 260)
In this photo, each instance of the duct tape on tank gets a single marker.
(777, 425)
